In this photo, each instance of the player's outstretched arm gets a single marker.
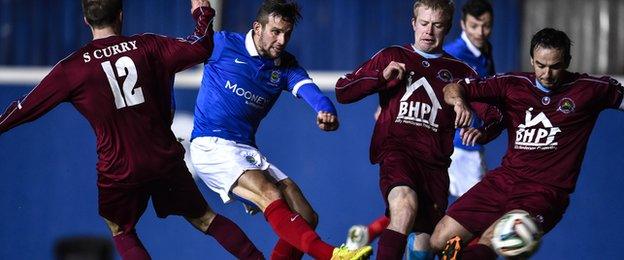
(382, 72)
(454, 96)
(177, 54)
(52, 90)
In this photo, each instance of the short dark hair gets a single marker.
(446, 6)
(101, 13)
(552, 39)
(287, 10)
(476, 8)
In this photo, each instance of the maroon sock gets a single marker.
(376, 227)
(130, 247)
(478, 252)
(292, 228)
(233, 239)
(285, 251)
(391, 245)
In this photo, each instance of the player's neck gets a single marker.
(101, 33)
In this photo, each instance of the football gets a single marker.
(516, 234)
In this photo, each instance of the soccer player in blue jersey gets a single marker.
(242, 80)
(468, 165)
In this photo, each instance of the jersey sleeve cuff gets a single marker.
(299, 84)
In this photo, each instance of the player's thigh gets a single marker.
(297, 201)
(258, 187)
(122, 207)
(225, 165)
(545, 204)
(484, 203)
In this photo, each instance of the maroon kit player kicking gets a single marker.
(413, 136)
(550, 115)
(123, 87)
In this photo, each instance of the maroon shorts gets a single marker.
(430, 184)
(500, 192)
(176, 194)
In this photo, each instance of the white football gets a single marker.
(516, 234)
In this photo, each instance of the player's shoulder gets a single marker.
(450, 60)
(455, 47)
(516, 77)
(392, 51)
(229, 36)
(589, 80)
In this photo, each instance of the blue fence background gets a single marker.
(48, 167)
(333, 35)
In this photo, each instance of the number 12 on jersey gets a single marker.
(125, 68)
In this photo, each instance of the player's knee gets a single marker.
(437, 241)
(269, 193)
(114, 228)
(312, 218)
(402, 202)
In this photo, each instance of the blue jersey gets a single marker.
(462, 49)
(239, 87)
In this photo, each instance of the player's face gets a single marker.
(478, 29)
(430, 27)
(549, 65)
(272, 37)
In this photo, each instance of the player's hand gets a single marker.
(394, 70)
(327, 121)
(199, 3)
(463, 114)
(470, 136)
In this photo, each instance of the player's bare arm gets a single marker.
(454, 96)
(394, 70)
(327, 121)
(199, 3)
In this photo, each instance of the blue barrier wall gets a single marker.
(333, 35)
(48, 189)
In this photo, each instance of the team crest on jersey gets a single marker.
(537, 133)
(275, 76)
(250, 159)
(545, 101)
(566, 105)
(445, 75)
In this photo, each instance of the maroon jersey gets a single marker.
(414, 117)
(123, 87)
(548, 132)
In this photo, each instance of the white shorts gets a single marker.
(467, 168)
(220, 162)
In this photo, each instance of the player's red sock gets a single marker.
(130, 247)
(285, 251)
(292, 228)
(391, 245)
(376, 227)
(478, 252)
(233, 239)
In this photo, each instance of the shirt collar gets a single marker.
(427, 55)
(250, 45)
(253, 52)
(475, 51)
(541, 87)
